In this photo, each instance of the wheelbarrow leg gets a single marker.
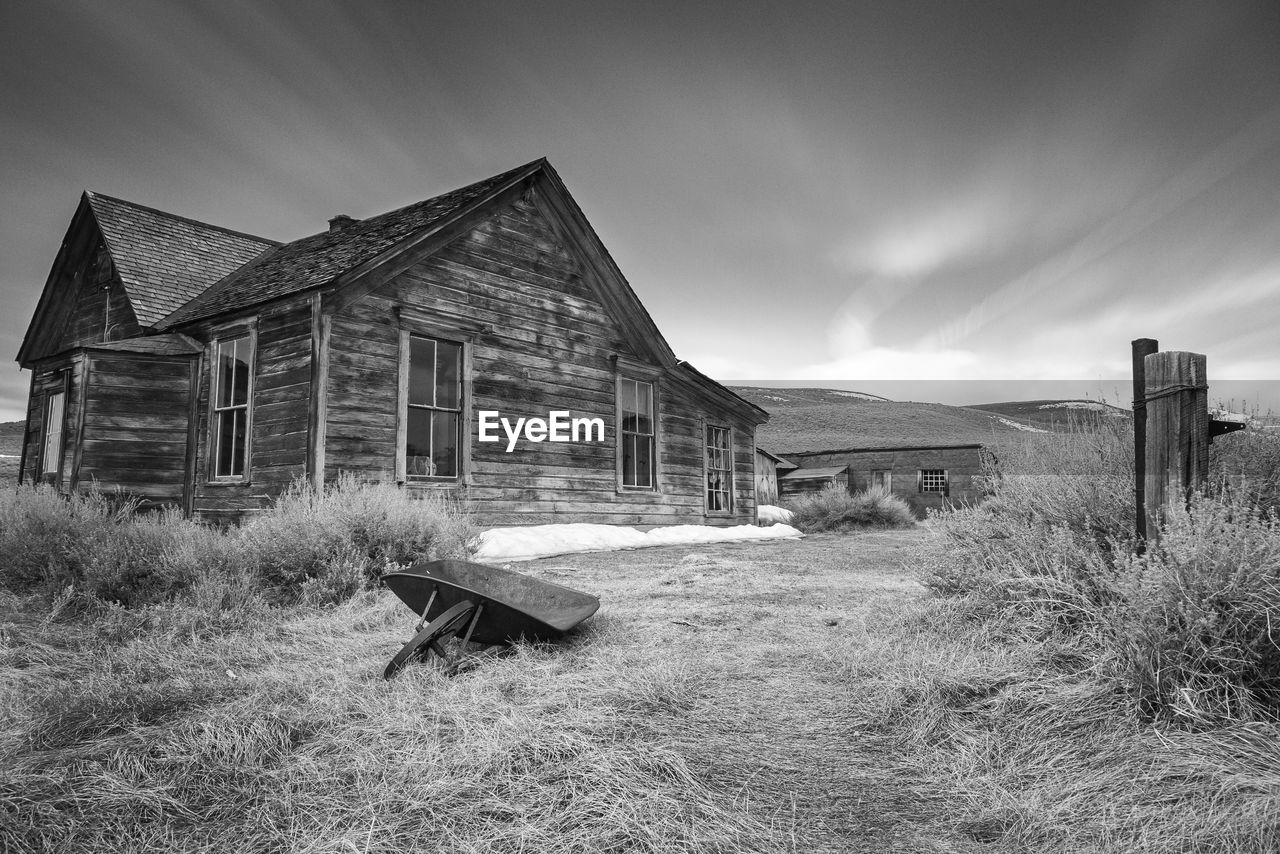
(427, 610)
(471, 627)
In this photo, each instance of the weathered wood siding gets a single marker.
(135, 425)
(279, 413)
(766, 479)
(50, 376)
(100, 309)
(548, 346)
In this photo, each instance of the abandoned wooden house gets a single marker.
(196, 366)
(925, 476)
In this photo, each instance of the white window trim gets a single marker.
(946, 482)
(249, 331)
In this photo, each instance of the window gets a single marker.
(54, 416)
(434, 417)
(933, 480)
(882, 479)
(635, 404)
(232, 387)
(719, 469)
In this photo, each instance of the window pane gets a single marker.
(233, 372)
(240, 389)
(53, 431)
(226, 372)
(448, 359)
(644, 408)
(637, 461)
(231, 436)
(422, 372)
(417, 453)
(444, 443)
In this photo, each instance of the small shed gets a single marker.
(768, 468)
(803, 481)
(925, 476)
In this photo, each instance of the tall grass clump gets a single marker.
(836, 509)
(94, 541)
(315, 545)
(1197, 621)
(345, 535)
(1190, 628)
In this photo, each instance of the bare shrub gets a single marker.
(835, 509)
(1188, 628)
(1198, 622)
(311, 533)
(318, 546)
(95, 541)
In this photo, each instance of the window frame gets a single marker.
(463, 445)
(730, 489)
(922, 474)
(627, 376)
(888, 479)
(222, 336)
(50, 396)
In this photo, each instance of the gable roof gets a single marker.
(319, 259)
(164, 261)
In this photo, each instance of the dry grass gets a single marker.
(689, 715)
(767, 697)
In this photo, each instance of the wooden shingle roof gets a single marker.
(319, 259)
(163, 260)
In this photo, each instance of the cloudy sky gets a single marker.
(835, 193)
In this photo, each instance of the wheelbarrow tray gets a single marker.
(516, 606)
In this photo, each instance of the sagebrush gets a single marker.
(1185, 626)
(836, 509)
(312, 545)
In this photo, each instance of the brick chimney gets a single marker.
(340, 222)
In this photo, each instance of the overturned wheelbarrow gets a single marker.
(480, 604)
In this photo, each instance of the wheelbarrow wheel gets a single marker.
(449, 623)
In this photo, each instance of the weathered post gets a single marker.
(1177, 448)
(1142, 348)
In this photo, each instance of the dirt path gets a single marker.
(765, 622)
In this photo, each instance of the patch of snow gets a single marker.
(774, 397)
(770, 515)
(534, 541)
(1018, 425)
(1091, 405)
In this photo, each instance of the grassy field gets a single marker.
(772, 697)
(699, 710)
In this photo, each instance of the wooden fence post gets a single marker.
(1142, 348)
(1176, 395)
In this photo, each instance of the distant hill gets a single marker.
(1053, 415)
(817, 419)
(10, 450)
